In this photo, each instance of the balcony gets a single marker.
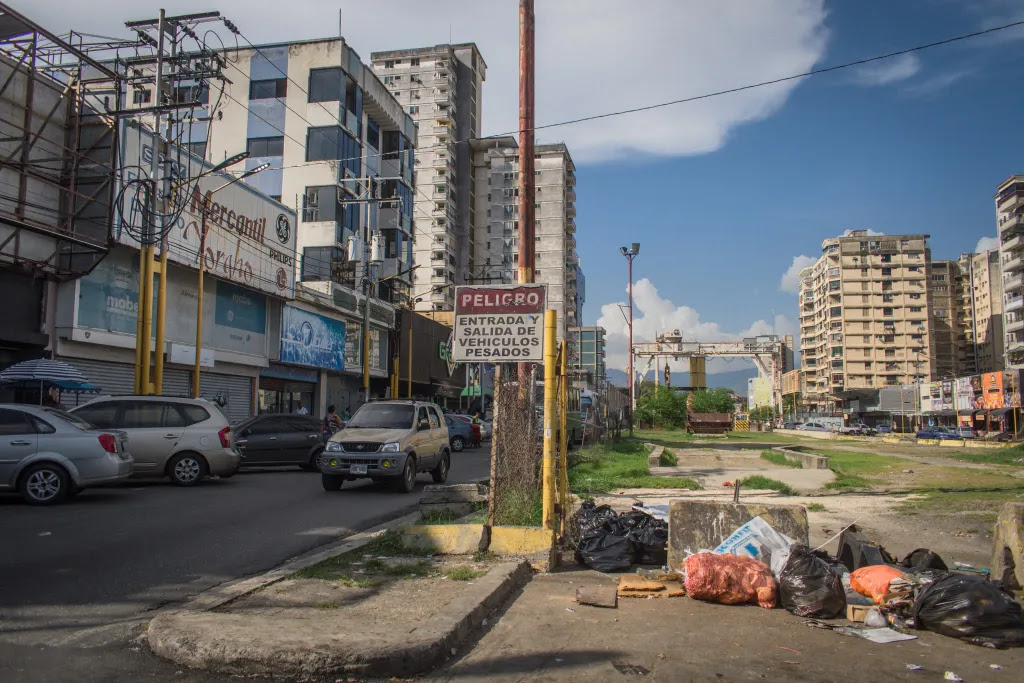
(1014, 242)
(570, 211)
(440, 161)
(1014, 304)
(570, 195)
(570, 226)
(1013, 263)
(1015, 325)
(1013, 282)
(445, 129)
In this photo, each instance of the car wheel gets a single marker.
(45, 484)
(332, 482)
(440, 473)
(458, 443)
(313, 465)
(186, 469)
(408, 481)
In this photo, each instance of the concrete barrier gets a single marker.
(696, 525)
(890, 439)
(1008, 546)
(928, 442)
(969, 443)
(460, 499)
(519, 540)
(809, 461)
(809, 435)
(447, 539)
(654, 457)
(952, 443)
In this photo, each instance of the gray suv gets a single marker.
(389, 440)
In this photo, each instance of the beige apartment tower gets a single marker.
(981, 310)
(864, 319)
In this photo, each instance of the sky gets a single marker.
(728, 196)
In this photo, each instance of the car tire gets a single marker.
(187, 469)
(408, 481)
(45, 484)
(440, 472)
(458, 443)
(332, 482)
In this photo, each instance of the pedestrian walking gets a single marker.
(332, 423)
(475, 426)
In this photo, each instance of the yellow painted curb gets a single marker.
(952, 443)
(928, 442)
(448, 539)
(890, 439)
(983, 444)
(519, 540)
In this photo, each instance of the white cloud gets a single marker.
(592, 57)
(986, 243)
(888, 71)
(869, 232)
(653, 314)
(936, 84)
(791, 278)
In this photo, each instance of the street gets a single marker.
(79, 575)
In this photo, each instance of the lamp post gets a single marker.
(202, 259)
(630, 254)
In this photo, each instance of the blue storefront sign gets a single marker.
(311, 339)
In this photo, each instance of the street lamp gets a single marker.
(630, 254)
(202, 255)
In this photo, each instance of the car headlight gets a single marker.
(392, 447)
(333, 446)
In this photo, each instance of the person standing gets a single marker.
(332, 423)
(475, 426)
(301, 410)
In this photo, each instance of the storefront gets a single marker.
(286, 389)
(434, 376)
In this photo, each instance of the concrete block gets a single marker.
(454, 493)
(1008, 546)
(654, 457)
(447, 539)
(928, 442)
(890, 439)
(696, 525)
(809, 461)
(952, 443)
(520, 540)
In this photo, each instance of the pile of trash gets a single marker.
(886, 600)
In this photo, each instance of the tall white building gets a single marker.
(1010, 219)
(496, 231)
(441, 88)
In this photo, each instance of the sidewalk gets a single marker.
(546, 636)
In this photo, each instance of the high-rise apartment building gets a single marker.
(441, 88)
(981, 308)
(1010, 228)
(864, 318)
(587, 357)
(945, 316)
(496, 232)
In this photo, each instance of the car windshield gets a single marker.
(382, 416)
(68, 417)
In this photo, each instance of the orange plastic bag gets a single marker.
(729, 580)
(873, 581)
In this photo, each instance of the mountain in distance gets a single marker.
(735, 380)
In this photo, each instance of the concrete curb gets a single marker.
(235, 644)
(229, 592)
(654, 457)
(809, 461)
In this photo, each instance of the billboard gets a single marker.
(311, 339)
(992, 390)
(964, 394)
(250, 238)
(758, 392)
(499, 323)
(946, 394)
(925, 393)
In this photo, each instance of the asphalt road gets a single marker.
(77, 580)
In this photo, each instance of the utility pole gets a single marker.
(630, 254)
(527, 183)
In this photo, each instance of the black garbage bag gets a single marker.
(651, 542)
(605, 548)
(923, 559)
(809, 587)
(590, 515)
(970, 608)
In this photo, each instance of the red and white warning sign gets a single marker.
(499, 323)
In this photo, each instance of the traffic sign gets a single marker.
(499, 323)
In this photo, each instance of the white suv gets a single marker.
(182, 438)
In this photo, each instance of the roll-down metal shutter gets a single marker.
(111, 378)
(236, 390)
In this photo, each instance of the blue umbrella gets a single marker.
(45, 371)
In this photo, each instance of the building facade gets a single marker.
(441, 88)
(945, 318)
(587, 357)
(1009, 200)
(864, 318)
(981, 308)
(496, 167)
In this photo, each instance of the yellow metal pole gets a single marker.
(199, 299)
(409, 378)
(139, 320)
(550, 373)
(161, 310)
(563, 450)
(146, 306)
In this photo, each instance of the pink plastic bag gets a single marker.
(730, 580)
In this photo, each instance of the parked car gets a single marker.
(485, 425)
(814, 427)
(460, 434)
(184, 439)
(883, 429)
(942, 433)
(389, 440)
(966, 432)
(859, 429)
(47, 455)
(280, 439)
(789, 425)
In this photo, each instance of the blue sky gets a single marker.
(920, 154)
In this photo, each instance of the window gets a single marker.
(915, 296)
(389, 64)
(421, 416)
(390, 80)
(142, 96)
(197, 148)
(435, 419)
(14, 422)
(185, 94)
(325, 85)
(938, 278)
(372, 133)
(321, 264)
(150, 415)
(102, 415)
(414, 61)
(915, 309)
(414, 109)
(193, 414)
(886, 271)
(268, 89)
(887, 312)
(265, 147)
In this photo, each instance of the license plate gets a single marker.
(358, 469)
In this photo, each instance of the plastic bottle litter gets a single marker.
(914, 667)
(950, 676)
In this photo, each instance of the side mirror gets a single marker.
(424, 424)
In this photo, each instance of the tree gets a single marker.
(717, 400)
(662, 407)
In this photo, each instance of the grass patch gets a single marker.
(664, 437)
(816, 507)
(1000, 456)
(847, 482)
(519, 508)
(756, 481)
(668, 458)
(778, 458)
(619, 465)
(446, 516)
(483, 556)
(980, 506)
(354, 569)
(328, 605)
(464, 573)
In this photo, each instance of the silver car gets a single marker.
(182, 438)
(48, 455)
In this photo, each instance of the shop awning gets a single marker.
(999, 412)
(76, 387)
(475, 391)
